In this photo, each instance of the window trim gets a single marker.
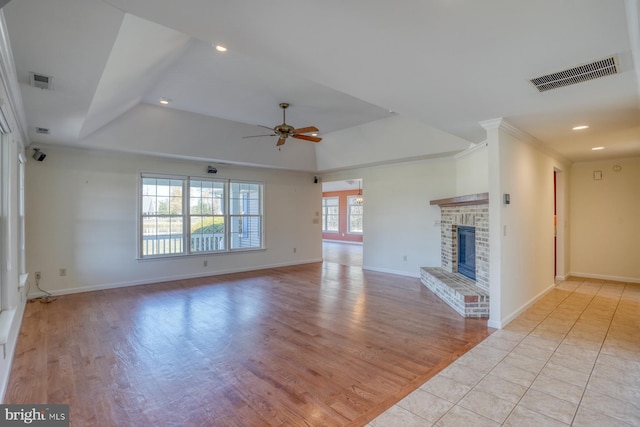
(186, 216)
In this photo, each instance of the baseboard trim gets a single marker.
(150, 281)
(390, 271)
(499, 324)
(494, 324)
(606, 277)
(349, 242)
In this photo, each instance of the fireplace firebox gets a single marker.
(467, 251)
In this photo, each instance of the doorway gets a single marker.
(342, 221)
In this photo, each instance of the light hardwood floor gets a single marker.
(316, 344)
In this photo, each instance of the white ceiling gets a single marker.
(444, 65)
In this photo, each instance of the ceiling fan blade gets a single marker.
(306, 130)
(281, 141)
(266, 127)
(307, 138)
(257, 136)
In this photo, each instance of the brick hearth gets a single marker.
(458, 291)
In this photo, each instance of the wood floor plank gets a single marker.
(317, 344)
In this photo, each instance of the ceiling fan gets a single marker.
(285, 131)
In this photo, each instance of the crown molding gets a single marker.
(502, 124)
(472, 148)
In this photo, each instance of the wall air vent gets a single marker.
(44, 131)
(579, 74)
(41, 81)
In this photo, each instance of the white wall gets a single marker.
(522, 233)
(82, 216)
(472, 170)
(605, 220)
(398, 219)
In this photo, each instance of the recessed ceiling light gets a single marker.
(581, 127)
(164, 101)
(220, 48)
(314, 134)
(597, 148)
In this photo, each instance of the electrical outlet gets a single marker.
(295, 250)
(205, 263)
(63, 272)
(38, 276)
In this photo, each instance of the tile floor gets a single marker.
(573, 358)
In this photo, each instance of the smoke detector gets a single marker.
(582, 73)
(41, 81)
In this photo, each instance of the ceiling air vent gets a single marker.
(44, 131)
(41, 81)
(582, 73)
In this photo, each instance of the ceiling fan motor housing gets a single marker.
(283, 130)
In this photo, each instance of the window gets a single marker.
(354, 215)
(206, 216)
(5, 212)
(245, 216)
(21, 218)
(184, 216)
(162, 216)
(330, 214)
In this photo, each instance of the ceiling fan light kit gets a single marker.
(284, 131)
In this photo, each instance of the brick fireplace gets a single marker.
(468, 297)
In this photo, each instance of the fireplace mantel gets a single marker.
(470, 199)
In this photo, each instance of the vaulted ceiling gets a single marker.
(383, 81)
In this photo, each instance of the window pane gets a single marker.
(245, 232)
(207, 234)
(162, 221)
(245, 198)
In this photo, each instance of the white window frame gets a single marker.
(248, 218)
(351, 202)
(5, 229)
(257, 215)
(22, 238)
(213, 243)
(324, 214)
(182, 215)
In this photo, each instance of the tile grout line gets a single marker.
(501, 360)
(554, 351)
(593, 296)
(598, 356)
